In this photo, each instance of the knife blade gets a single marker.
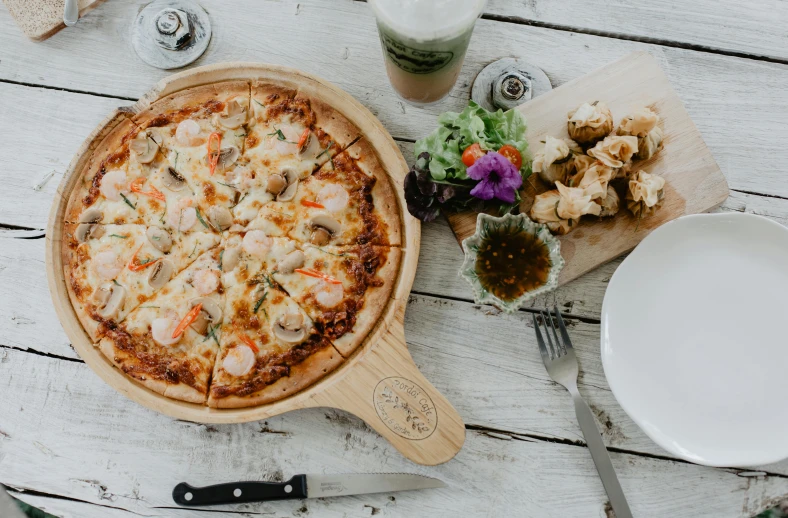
(302, 486)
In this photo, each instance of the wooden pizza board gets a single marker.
(694, 182)
(40, 19)
(379, 383)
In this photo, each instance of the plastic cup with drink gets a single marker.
(424, 44)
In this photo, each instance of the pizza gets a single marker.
(232, 244)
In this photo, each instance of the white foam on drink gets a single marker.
(428, 19)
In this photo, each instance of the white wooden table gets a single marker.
(73, 446)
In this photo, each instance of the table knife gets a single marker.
(302, 486)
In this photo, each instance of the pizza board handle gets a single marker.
(387, 391)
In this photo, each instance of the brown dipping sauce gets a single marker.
(511, 262)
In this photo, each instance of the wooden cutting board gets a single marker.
(694, 182)
(40, 19)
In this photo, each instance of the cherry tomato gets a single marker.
(511, 154)
(471, 153)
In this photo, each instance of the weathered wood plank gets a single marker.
(716, 89)
(121, 455)
(755, 28)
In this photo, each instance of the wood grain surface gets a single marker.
(60, 425)
(744, 28)
(694, 182)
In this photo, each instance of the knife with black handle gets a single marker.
(301, 486)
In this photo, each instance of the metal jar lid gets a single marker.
(508, 83)
(171, 33)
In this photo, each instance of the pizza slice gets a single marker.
(289, 136)
(342, 289)
(203, 130)
(169, 344)
(269, 345)
(112, 269)
(348, 201)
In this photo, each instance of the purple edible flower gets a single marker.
(498, 178)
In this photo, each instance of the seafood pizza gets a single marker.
(232, 244)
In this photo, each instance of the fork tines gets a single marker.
(555, 347)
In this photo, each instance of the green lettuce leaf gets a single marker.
(457, 131)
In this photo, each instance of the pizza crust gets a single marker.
(264, 89)
(179, 391)
(302, 375)
(342, 131)
(375, 302)
(116, 141)
(383, 194)
(190, 99)
(69, 258)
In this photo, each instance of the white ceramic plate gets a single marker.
(695, 338)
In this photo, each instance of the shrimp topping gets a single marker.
(328, 294)
(239, 360)
(162, 329)
(181, 215)
(107, 264)
(206, 281)
(256, 243)
(188, 133)
(113, 183)
(284, 139)
(333, 197)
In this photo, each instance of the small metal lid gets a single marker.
(171, 33)
(508, 83)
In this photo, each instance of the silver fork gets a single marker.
(561, 364)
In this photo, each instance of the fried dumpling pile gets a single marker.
(595, 181)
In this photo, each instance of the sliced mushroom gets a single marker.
(144, 147)
(290, 328)
(236, 115)
(230, 258)
(87, 231)
(88, 225)
(173, 180)
(220, 217)
(159, 238)
(319, 236)
(292, 321)
(102, 294)
(210, 314)
(276, 183)
(311, 149)
(97, 231)
(324, 227)
(291, 261)
(292, 185)
(109, 299)
(228, 155)
(160, 273)
(92, 215)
